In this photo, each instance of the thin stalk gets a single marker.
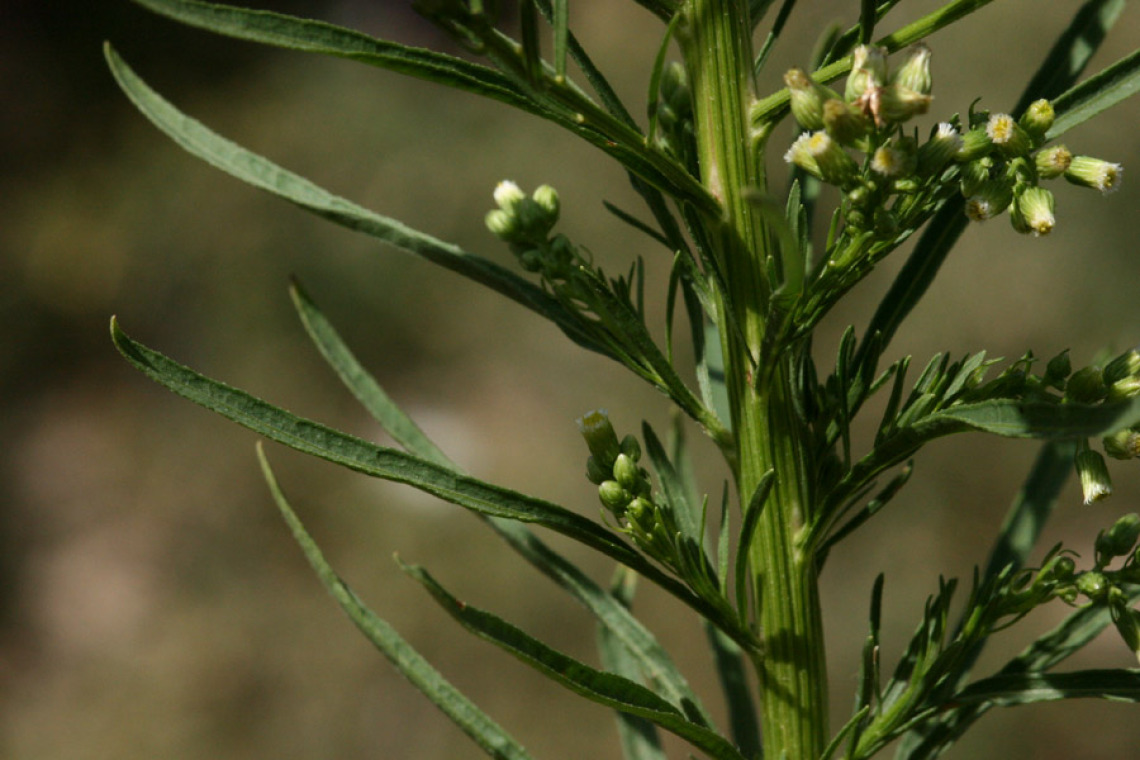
(716, 43)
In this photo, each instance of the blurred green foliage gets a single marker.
(153, 604)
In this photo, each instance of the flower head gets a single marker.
(1095, 173)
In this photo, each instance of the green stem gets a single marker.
(715, 40)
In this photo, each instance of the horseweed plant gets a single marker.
(754, 284)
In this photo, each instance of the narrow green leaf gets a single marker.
(747, 533)
(604, 688)
(672, 484)
(867, 19)
(732, 674)
(340, 448)
(773, 35)
(490, 737)
(1118, 82)
(532, 53)
(636, 223)
(1067, 58)
(262, 173)
(310, 36)
(1019, 419)
(393, 419)
(639, 737)
(1007, 689)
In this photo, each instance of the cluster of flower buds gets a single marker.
(525, 224)
(998, 161)
(675, 133)
(625, 490)
(1118, 381)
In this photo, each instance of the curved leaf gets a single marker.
(614, 617)
(348, 451)
(490, 737)
(1006, 689)
(604, 688)
(258, 171)
(1018, 419)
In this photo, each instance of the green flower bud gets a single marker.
(1052, 162)
(807, 98)
(836, 166)
(614, 497)
(1032, 211)
(508, 195)
(974, 176)
(914, 73)
(1093, 585)
(989, 200)
(940, 149)
(976, 143)
(898, 104)
(895, 158)
(844, 122)
(631, 448)
(502, 224)
(1123, 390)
(1095, 173)
(868, 70)
(674, 91)
(800, 156)
(1062, 568)
(1123, 444)
(1086, 386)
(1059, 368)
(1096, 484)
(532, 260)
(1008, 136)
(1118, 540)
(1037, 119)
(1127, 622)
(600, 437)
(627, 473)
(546, 198)
(1125, 365)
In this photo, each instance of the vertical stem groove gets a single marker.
(715, 38)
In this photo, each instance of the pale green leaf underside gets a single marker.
(470, 719)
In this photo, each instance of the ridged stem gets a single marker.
(715, 37)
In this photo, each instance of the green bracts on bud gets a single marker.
(1124, 366)
(844, 122)
(1125, 389)
(914, 73)
(868, 71)
(1037, 119)
(942, 147)
(1123, 444)
(627, 473)
(600, 437)
(897, 103)
(989, 200)
(807, 98)
(1032, 211)
(1093, 585)
(546, 198)
(631, 448)
(1052, 162)
(614, 497)
(1095, 173)
(1008, 136)
(1086, 386)
(1127, 622)
(1096, 483)
(1118, 540)
(976, 143)
(1058, 368)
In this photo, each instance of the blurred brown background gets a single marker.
(151, 602)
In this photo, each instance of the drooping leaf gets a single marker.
(490, 737)
(264, 174)
(604, 688)
(1008, 689)
(731, 672)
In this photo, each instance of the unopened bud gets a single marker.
(807, 98)
(868, 70)
(914, 73)
(1123, 444)
(595, 473)
(507, 195)
(844, 122)
(1086, 386)
(1038, 119)
(940, 149)
(989, 200)
(1058, 368)
(1125, 389)
(1118, 540)
(631, 448)
(1032, 211)
(1093, 585)
(1127, 622)
(1007, 135)
(600, 437)
(1053, 161)
(898, 103)
(627, 473)
(502, 224)
(614, 497)
(1125, 365)
(1096, 483)
(1095, 173)
(976, 143)
(546, 198)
